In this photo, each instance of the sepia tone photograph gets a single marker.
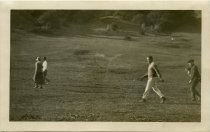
(105, 65)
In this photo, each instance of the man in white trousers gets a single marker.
(152, 75)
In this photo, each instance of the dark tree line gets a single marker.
(168, 20)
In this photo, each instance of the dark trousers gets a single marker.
(38, 79)
(193, 90)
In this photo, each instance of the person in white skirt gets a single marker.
(152, 75)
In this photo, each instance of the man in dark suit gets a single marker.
(195, 78)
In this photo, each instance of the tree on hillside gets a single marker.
(22, 19)
(161, 20)
(49, 20)
(138, 19)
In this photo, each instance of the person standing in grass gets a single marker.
(44, 70)
(38, 75)
(151, 74)
(195, 78)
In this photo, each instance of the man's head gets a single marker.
(149, 59)
(45, 58)
(190, 62)
(38, 58)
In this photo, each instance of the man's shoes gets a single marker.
(143, 100)
(41, 87)
(35, 87)
(163, 99)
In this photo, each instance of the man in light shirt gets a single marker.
(152, 75)
(44, 70)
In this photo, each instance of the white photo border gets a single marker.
(6, 125)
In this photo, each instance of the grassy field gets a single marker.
(92, 78)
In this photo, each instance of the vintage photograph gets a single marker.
(105, 65)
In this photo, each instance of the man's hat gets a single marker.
(190, 61)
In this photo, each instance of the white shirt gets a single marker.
(44, 64)
(150, 70)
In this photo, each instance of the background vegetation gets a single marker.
(50, 20)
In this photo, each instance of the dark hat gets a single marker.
(190, 61)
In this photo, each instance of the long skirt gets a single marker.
(38, 78)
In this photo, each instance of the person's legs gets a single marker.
(44, 76)
(35, 85)
(193, 90)
(196, 91)
(46, 80)
(158, 92)
(197, 94)
(148, 87)
(40, 80)
(35, 81)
